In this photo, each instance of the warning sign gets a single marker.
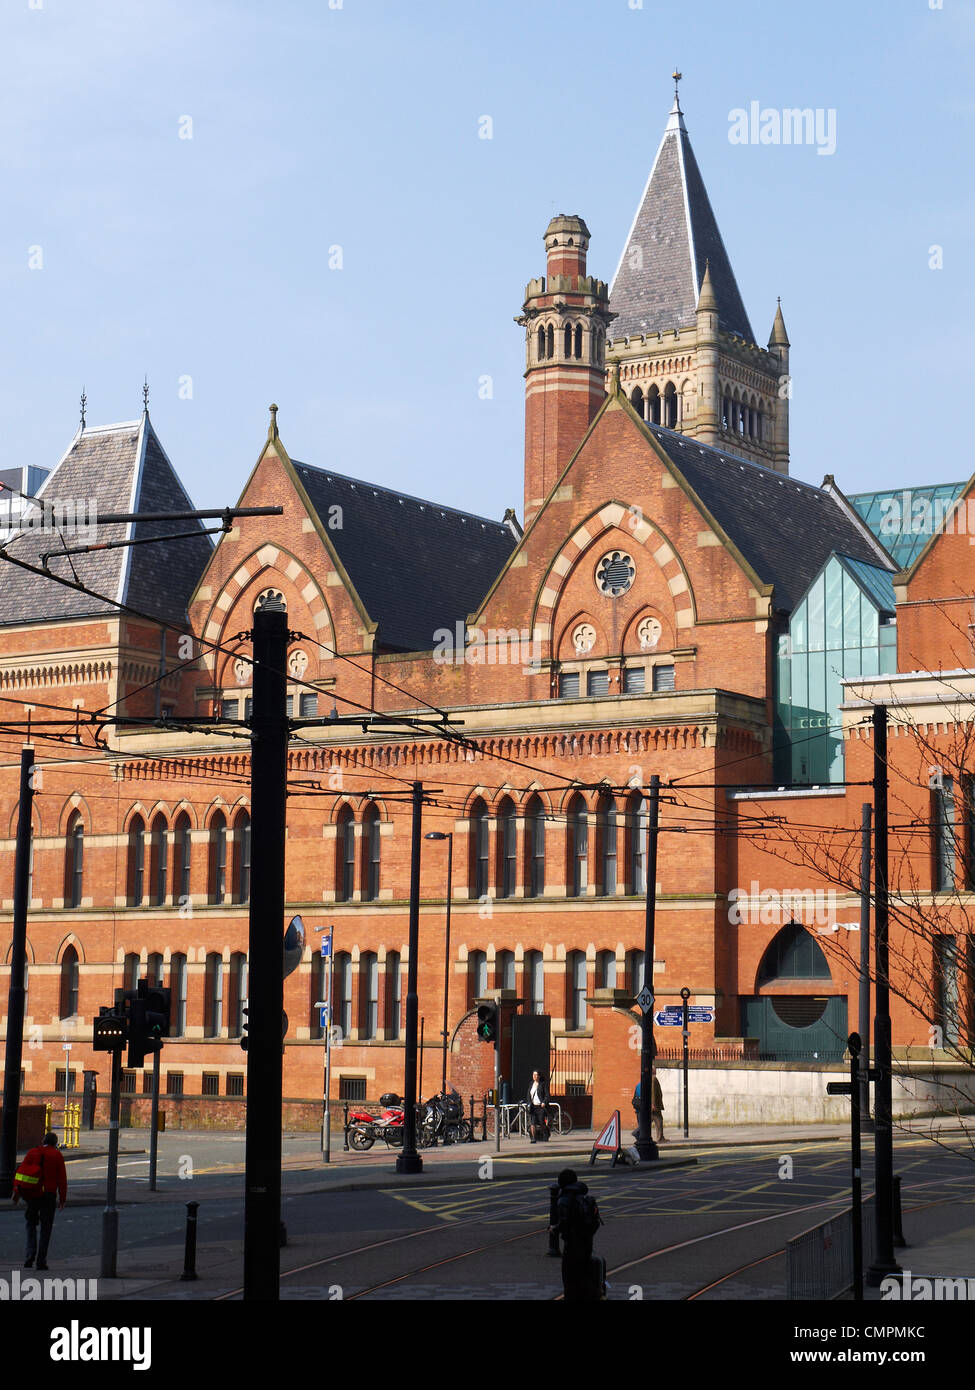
(608, 1141)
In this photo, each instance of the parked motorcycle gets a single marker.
(365, 1129)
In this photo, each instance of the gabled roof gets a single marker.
(119, 468)
(674, 235)
(785, 529)
(905, 519)
(417, 566)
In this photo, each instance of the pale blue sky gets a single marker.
(358, 126)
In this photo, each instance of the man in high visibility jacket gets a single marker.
(42, 1181)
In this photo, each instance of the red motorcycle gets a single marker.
(365, 1129)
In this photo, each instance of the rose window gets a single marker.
(649, 631)
(584, 638)
(615, 573)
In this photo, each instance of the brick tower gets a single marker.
(565, 317)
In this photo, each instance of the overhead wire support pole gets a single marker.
(645, 1145)
(408, 1160)
(269, 777)
(16, 992)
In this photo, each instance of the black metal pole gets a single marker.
(408, 1160)
(16, 993)
(685, 994)
(189, 1256)
(856, 1187)
(154, 1123)
(866, 1124)
(645, 1146)
(883, 1260)
(446, 958)
(269, 770)
(110, 1214)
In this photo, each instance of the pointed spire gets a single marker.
(84, 402)
(272, 429)
(675, 120)
(145, 395)
(706, 299)
(779, 336)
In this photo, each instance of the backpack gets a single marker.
(579, 1212)
(29, 1179)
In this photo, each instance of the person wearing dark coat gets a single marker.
(538, 1098)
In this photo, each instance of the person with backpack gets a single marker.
(41, 1179)
(577, 1221)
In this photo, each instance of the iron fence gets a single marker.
(570, 1073)
(819, 1262)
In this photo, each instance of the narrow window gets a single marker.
(943, 826)
(578, 340)
(535, 981)
(507, 848)
(504, 969)
(394, 995)
(159, 863)
(345, 856)
(69, 983)
(242, 831)
(568, 684)
(535, 834)
(578, 847)
(342, 994)
(371, 851)
(238, 993)
(476, 975)
(213, 1020)
(606, 830)
(368, 995)
(137, 860)
(479, 848)
(76, 861)
(606, 970)
(636, 833)
(576, 966)
(218, 858)
(177, 985)
(663, 678)
(634, 680)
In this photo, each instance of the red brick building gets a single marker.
(668, 608)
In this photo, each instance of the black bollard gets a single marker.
(553, 1221)
(345, 1145)
(284, 1235)
(189, 1259)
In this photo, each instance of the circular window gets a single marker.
(584, 638)
(242, 671)
(274, 597)
(615, 573)
(297, 663)
(648, 631)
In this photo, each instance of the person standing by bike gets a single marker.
(538, 1106)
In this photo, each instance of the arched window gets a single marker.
(635, 965)
(670, 406)
(540, 346)
(636, 400)
(504, 969)
(69, 983)
(793, 954)
(578, 340)
(158, 860)
(578, 826)
(568, 340)
(507, 849)
(479, 849)
(177, 985)
(342, 994)
(137, 860)
(218, 858)
(653, 406)
(242, 838)
(238, 993)
(394, 995)
(75, 866)
(476, 976)
(130, 970)
(606, 970)
(576, 967)
(345, 855)
(368, 995)
(535, 846)
(213, 1010)
(636, 837)
(535, 982)
(370, 853)
(550, 342)
(154, 969)
(606, 834)
(184, 856)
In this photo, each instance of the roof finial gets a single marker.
(677, 77)
(614, 380)
(84, 401)
(272, 429)
(145, 395)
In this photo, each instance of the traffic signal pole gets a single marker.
(16, 993)
(409, 1161)
(110, 1214)
(269, 769)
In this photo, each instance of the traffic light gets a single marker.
(110, 1031)
(148, 1022)
(487, 1022)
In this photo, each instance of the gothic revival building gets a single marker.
(674, 603)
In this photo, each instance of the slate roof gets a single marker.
(785, 529)
(674, 234)
(123, 468)
(417, 566)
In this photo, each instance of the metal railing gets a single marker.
(819, 1262)
(70, 1124)
(570, 1069)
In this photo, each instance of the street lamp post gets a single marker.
(441, 835)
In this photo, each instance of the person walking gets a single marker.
(41, 1179)
(577, 1221)
(538, 1107)
(656, 1111)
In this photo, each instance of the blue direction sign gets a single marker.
(324, 1015)
(326, 946)
(700, 1015)
(669, 1018)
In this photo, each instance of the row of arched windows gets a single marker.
(613, 834)
(657, 408)
(151, 868)
(571, 341)
(739, 418)
(369, 859)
